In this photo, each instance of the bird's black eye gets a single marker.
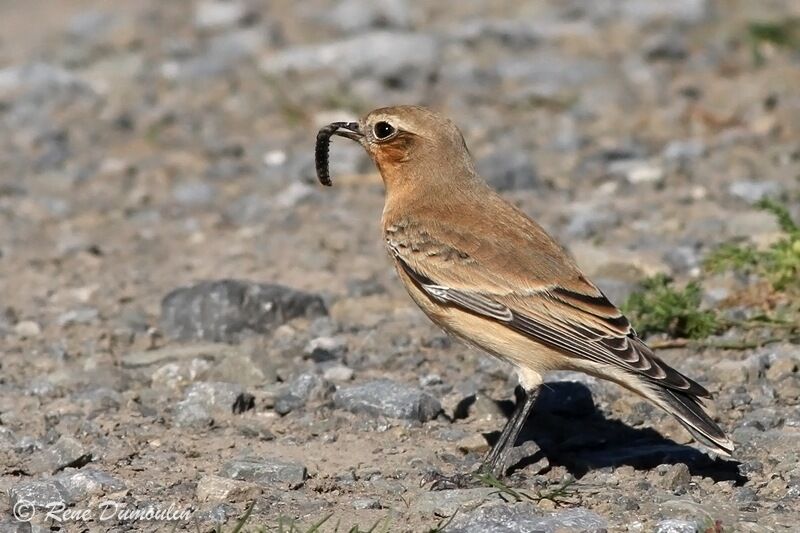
(383, 130)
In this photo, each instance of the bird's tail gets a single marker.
(688, 410)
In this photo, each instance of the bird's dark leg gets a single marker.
(495, 462)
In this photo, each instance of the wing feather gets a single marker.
(577, 325)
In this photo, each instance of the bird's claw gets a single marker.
(440, 481)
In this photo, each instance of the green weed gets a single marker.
(779, 264)
(659, 307)
(779, 33)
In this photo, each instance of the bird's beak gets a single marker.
(350, 130)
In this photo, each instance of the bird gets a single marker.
(485, 272)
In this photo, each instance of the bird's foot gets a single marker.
(440, 481)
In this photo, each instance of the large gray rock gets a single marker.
(525, 517)
(226, 310)
(390, 399)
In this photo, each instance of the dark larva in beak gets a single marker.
(322, 148)
(321, 153)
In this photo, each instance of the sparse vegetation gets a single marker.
(559, 496)
(784, 33)
(660, 307)
(779, 263)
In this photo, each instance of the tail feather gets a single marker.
(688, 410)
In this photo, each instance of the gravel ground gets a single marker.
(188, 323)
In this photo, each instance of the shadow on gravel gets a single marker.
(571, 432)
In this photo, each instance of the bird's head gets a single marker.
(412, 146)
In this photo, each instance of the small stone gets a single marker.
(788, 389)
(264, 470)
(447, 502)
(325, 348)
(78, 316)
(39, 493)
(524, 455)
(27, 329)
(193, 194)
(81, 484)
(666, 46)
(474, 442)
(366, 503)
(239, 369)
(782, 367)
(643, 172)
(359, 15)
(674, 525)
(305, 387)
(682, 259)
(755, 191)
(226, 310)
(216, 14)
(728, 371)
(390, 399)
(677, 478)
(429, 380)
(217, 396)
(66, 452)
(684, 150)
(286, 403)
(212, 488)
(641, 12)
(338, 374)
(192, 414)
(177, 375)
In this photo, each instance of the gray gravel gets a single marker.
(188, 318)
(387, 398)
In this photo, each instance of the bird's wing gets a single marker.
(568, 314)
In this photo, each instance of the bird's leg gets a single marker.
(495, 462)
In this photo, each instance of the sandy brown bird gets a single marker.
(485, 272)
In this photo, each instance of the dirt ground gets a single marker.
(148, 147)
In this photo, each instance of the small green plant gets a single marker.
(779, 263)
(559, 496)
(783, 33)
(659, 307)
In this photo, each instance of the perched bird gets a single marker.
(484, 271)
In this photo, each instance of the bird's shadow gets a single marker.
(572, 433)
